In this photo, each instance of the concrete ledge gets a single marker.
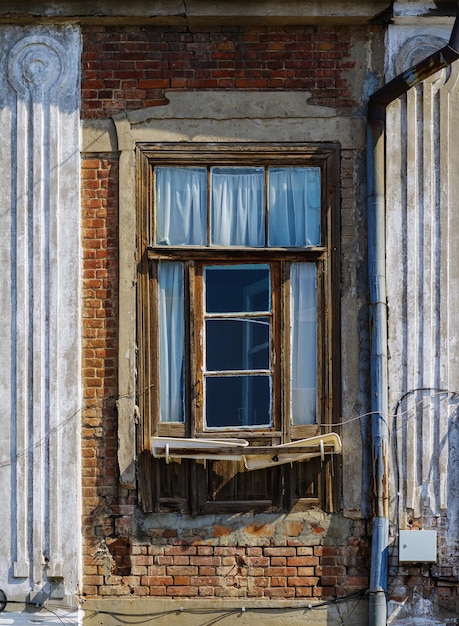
(225, 612)
(191, 12)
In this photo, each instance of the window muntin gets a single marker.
(237, 368)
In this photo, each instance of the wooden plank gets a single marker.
(236, 254)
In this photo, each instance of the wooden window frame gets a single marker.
(326, 259)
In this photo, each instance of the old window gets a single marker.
(236, 335)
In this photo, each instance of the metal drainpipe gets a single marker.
(377, 105)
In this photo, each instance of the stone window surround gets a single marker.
(215, 116)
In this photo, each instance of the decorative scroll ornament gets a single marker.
(37, 66)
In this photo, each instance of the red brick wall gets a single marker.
(167, 567)
(116, 563)
(102, 498)
(128, 69)
(132, 68)
(170, 567)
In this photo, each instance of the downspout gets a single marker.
(377, 106)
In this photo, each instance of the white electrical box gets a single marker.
(417, 546)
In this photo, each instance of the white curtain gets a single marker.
(237, 206)
(171, 341)
(304, 343)
(181, 200)
(294, 206)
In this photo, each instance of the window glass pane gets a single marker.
(238, 401)
(294, 206)
(304, 343)
(171, 341)
(237, 207)
(237, 344)
(181, 206)
(237, 288)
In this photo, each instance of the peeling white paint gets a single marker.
(412, 7)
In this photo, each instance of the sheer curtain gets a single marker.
(171, 341)
(294, 206)
(181, 199)
(237, 206)
(304, 343)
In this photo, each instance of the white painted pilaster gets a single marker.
(422, 268)
(40, 396)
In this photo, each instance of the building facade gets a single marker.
(188, 338)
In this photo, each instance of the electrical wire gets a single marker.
(454, 395)
(104, 399)
(433, 392)
(43, 440)
(357, 595)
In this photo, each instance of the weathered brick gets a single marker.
(182, 570)
(301, 561)
(182, 591)
(303, 581)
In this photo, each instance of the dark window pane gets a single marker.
(237, 401)
(237, 344)
(237, 288)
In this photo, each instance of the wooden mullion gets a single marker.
(198, 501)
(190, 365)
(153, 355)
(323, 396)
(148, 491)
(152, 221)
(276, 348)
(208, 206)
(143, 309)
(285, 355)
(332, 488)
(265, 208)
(195, 348)
(237, 254)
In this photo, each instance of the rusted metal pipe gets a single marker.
(377, 106)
